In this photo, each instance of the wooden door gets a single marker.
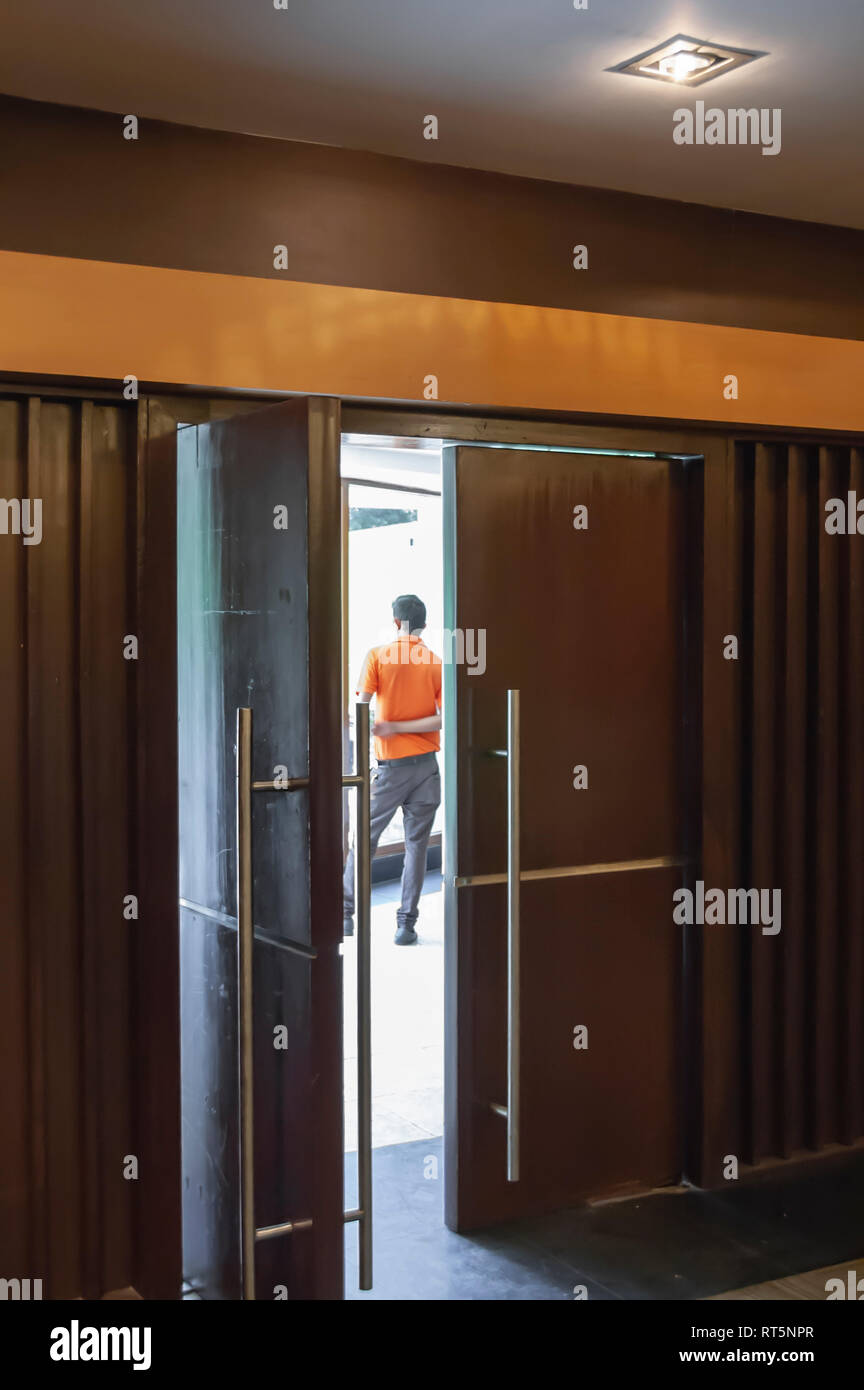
(584, 614)
(259, 627)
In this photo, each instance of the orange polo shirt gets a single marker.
(405, 678)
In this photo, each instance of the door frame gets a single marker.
(711, 974)
(395, 847)
(712, 977)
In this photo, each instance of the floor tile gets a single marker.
(677, 1244)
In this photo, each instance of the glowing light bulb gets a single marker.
(680, 65)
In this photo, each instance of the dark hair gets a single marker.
(408, 608)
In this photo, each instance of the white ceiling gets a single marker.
(517, 85)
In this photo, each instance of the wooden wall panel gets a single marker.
(760, 860)
(721, 1117)
(799, 1054)
(73, 187)
(852, 845)
(66, 999)
(825, 1024)
(105, 725)
(16, 1157)
(230, 332)
(793, 700)
(53, 864)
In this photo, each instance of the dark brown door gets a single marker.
(259, 627)
(584, 615)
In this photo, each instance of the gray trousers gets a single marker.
(414, 784)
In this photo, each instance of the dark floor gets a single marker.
(676, 1245)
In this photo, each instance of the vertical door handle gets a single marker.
(362, 780)
(513, 937)
(510, 1108)
(249, 1233)
(245, 947)
(363, 859)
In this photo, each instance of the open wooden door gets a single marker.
(564, 1072)
(259, 629)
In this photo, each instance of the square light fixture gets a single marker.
(686, 61)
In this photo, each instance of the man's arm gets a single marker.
(386, 728)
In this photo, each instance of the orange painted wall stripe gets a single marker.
(96, 318)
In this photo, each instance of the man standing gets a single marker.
(405, 678)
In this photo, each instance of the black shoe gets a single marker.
(405, 936)
(348, 926)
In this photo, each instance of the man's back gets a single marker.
(405, 678)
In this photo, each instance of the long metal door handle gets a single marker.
(513, 937)
(249, 1233)
(363, 859)
(361, 779)
(245, 948)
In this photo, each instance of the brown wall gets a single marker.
(782, 1017)
(154, 257)
(66, 1107)
(89, 1004)
(97, 319)
(71, 185)
(804, 784)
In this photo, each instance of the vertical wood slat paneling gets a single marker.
(825, 957)
(852, 763)
(802, 1084)
(114, 688)
(16, 1164)
(721, 1049)
(92, 1033)
(105, 807)
(31, 724)
(53, 867)
(66, 832)
(764, 713)
(793, 798)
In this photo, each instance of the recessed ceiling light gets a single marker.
(680, 65)
(686, 61)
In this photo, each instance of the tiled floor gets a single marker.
(681, 1244)
(407, 1023)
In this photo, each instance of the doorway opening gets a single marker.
(392, 545)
